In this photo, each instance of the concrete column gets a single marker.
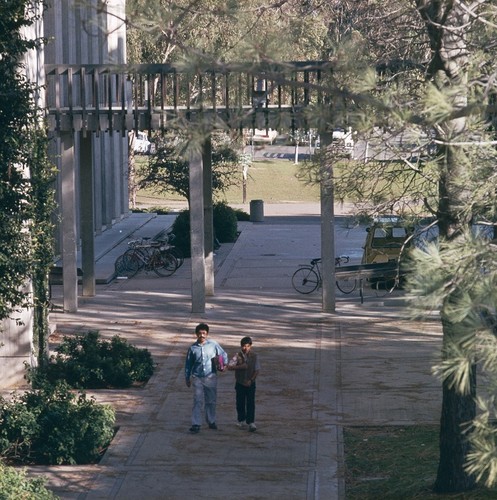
(327, 227)
(208, 217)
(87, 216)
(69, 244)
(197, 231)
(99, 194)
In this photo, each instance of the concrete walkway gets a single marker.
(364, 365)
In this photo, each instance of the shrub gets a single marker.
(181, 231)
(53, 426)
(14, 485)
(88, 362)
(225, 226)
(225, 222)
(241, 215)
(152, 210)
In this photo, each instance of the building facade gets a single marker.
(76, 33)
(81, 33)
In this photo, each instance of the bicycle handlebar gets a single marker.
(343, 259)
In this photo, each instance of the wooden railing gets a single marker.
(159, 97)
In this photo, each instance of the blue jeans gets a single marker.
(204, 395)
(245, 403)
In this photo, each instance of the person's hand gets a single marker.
(188, 383)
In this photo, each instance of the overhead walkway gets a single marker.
(86, 100)
(95, 98)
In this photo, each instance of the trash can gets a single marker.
(256, 211)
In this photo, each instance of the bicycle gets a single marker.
(176, 252)
(307, 278)
(146, 254)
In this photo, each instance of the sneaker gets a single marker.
(240, 425)
(213, 426)
(252, 427)
(195, 429)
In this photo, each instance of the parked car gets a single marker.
(426, 232)
(142, 144)
(342, 140)
(253, 136)
(384, 240)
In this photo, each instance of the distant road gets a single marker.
(362, 150)
(282, 152)
(278, 152)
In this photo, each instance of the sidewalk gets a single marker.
(363, 365)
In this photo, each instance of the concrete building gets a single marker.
(78, 33)
(75, 33)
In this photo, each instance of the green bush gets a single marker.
(181, 231)
(225, 222)
(151, 210)
(225, 226)
(241, 215)
(53, 426)
(14, 485)
(88, 362)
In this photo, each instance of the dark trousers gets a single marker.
(245, 403)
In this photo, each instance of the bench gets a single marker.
(362, 272)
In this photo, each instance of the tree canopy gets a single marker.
(167, 169)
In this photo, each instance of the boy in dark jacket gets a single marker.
(246, 367)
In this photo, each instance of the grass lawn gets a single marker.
(395, 463)
(273, 181)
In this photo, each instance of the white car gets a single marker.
(343, 141)
(142, 144)
(256, 136)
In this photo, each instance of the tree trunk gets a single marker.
(458, 411)
(447, 24)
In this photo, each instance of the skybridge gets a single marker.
(82, 100)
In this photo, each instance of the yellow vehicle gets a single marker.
(384, 241)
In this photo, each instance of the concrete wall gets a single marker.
(16, 348)
(79, 34)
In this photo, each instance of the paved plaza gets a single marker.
(365, 364)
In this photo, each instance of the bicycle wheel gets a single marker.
(120, 267)
(383, 286)
(132, 262)
(305, 280)
(177, 254)
(163, 263)
(346, 285)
